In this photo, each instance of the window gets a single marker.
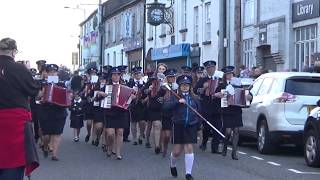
(138, 15)
(122, 26)
(305, 46)
(208, 21)
(150, 31)
(247, 57)
(163, 29)
(114, 58)
(107, 32)
(184, 14)
(255, 87)
(196, 25)
(108, 59)
(301, 86)
(265, 86)
(248, 12)
(114, 30)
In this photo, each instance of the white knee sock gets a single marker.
(189, 162)
(173, 161)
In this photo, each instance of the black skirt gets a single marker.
(232, 120)
(120, 120)
(89, 115)
(53, 120)
(167, 123)
(98, 115)
(154, 115)
(184, 135)
(76, 120)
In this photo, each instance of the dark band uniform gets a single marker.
(77, 115)
(211, 111)
(185, 121)
(53, 116)
(116, 117)
(137, 107)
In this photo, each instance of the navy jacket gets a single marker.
(181, 113)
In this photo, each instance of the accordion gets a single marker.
(238, 99)
(57, 95)
(211, 90)
(118, 96)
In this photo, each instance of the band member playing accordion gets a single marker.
(54, 118)
(232, 114)
(116, 120)
(138, 107)
(185, 125)
(211, 106)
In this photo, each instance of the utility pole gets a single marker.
(101, 34)
(238, 27)
(222, 34)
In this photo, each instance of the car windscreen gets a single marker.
(305, 86)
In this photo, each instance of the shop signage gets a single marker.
(306, 9)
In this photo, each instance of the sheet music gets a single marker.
(95, 103)
(218, 74)
(246, 81)
(53, 79)
(106, 102)
(230, 89)
(94, 79)
(224, 99)
(236, 81)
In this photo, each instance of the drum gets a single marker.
(57, 95)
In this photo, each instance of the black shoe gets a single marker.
(126, 140)
(203, 147)
(45, 153)
(135, 143)
(96, 142)
(148, 145)
(76, 139)
(54, 158)
(157, 150)
(104, 148)
(140, 141)
(224, 151)
(189, 177)
(119, 158)
(234, 156)
(215, 151)
(87, 138)
(174, 172)
(92, 143)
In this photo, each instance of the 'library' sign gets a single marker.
(306, 9)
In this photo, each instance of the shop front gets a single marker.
(306, 18)
(174, 56)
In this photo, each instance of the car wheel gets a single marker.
(264, 142)
(312, 149)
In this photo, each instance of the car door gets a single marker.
(247, 112)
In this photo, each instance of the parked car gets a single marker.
(312, 138)
(280, 105)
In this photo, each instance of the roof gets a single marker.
(89, 18)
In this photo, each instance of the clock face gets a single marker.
(157, 15)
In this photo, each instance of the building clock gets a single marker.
(156, 16)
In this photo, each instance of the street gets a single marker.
(81, 161)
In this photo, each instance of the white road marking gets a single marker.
(300, 172)
(257, 158)
(273, 163)
(240, 152)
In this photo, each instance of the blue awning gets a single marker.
(171, 51)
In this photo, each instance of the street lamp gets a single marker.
(77, 8)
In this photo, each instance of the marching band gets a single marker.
(174, 106)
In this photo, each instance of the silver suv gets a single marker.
(280, 106)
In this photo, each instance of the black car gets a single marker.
(312, 138)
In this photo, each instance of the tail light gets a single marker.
(285, 98)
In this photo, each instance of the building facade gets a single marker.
(275, 35)
(190, 37)
(124, 32)
(89, 40)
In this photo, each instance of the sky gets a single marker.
(44, 29)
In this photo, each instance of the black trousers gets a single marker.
(12, 174)
(126, 131)
(215, 120)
